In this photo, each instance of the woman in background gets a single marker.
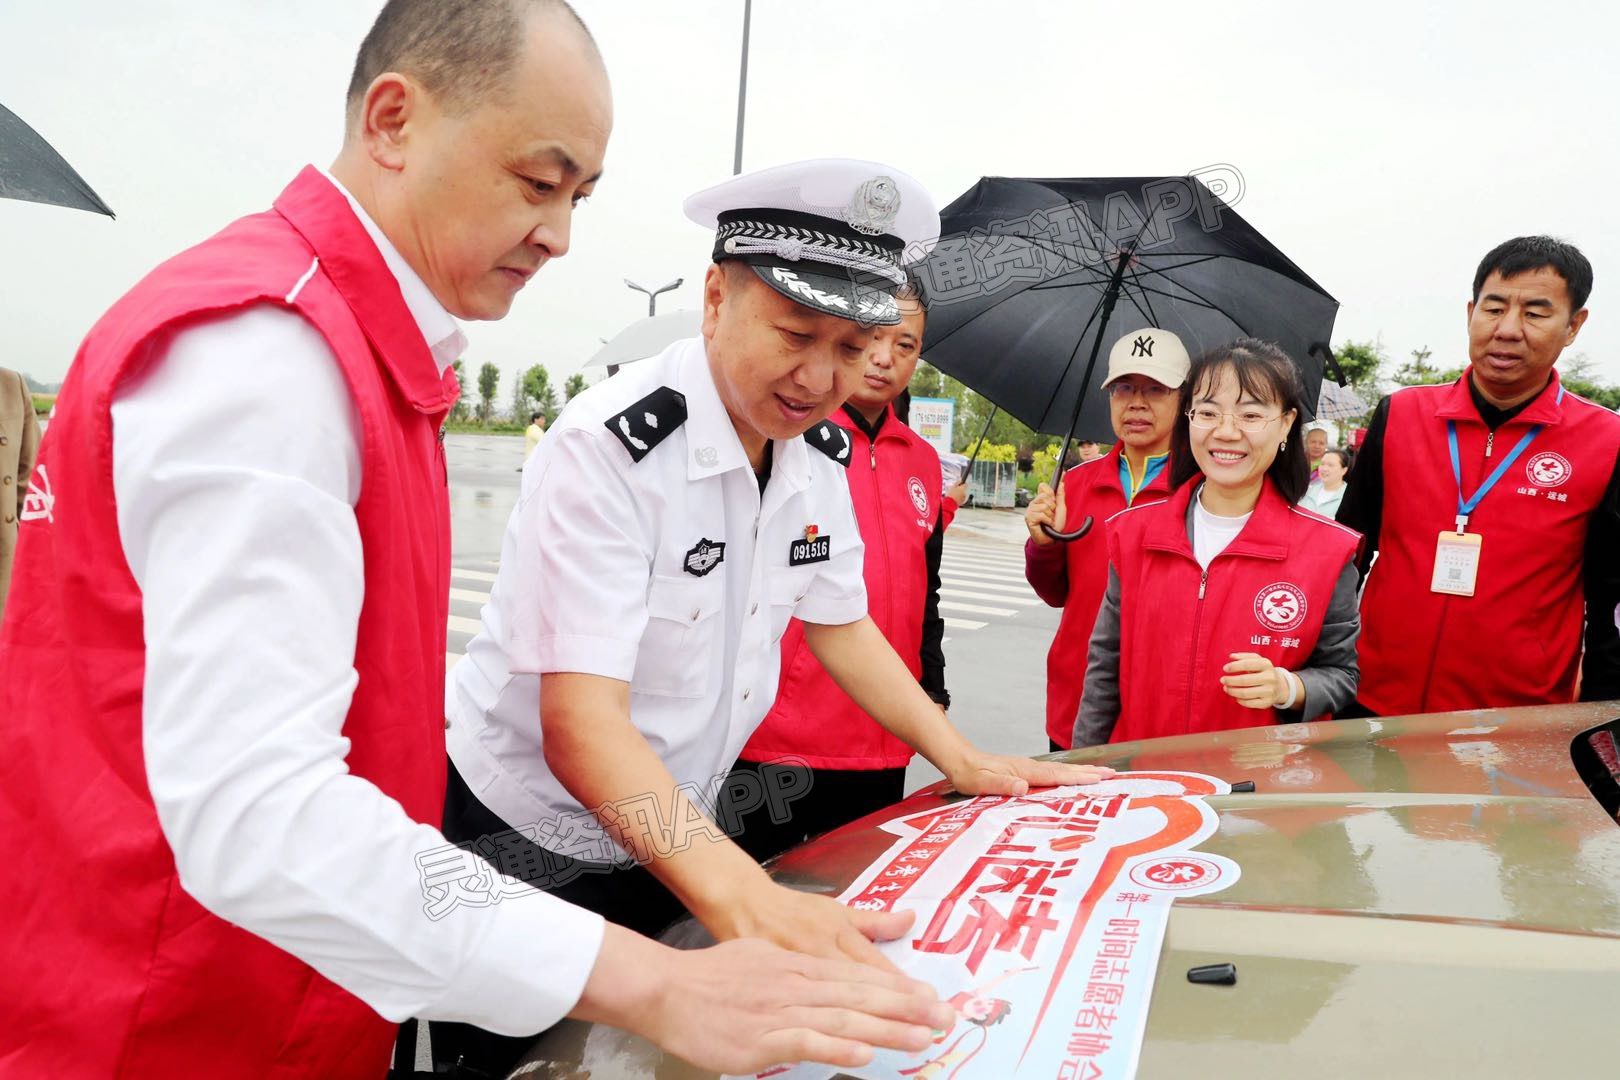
(1325, 494)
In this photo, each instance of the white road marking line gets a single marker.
(963, 624)
(976, 609)
(985, 581)
(471, 575)
(1009, 564)
(465, 626)
(468, 594)
(964, 594)
(946, 571)
(980, 567)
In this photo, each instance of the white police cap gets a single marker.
(833, 234)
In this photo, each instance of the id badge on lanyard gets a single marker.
(1457, 552)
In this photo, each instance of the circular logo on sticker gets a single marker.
(1547, 469)
(1177, 874)
(919, 495)
(1280, 606)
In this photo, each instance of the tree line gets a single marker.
(532, 392)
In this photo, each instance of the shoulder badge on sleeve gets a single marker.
(649, 421)
(831, 440)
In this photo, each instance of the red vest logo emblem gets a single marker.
(1280, 606)
(40, 500)
(919, 495)
(1548, 469)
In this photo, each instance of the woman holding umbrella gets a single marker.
(1146, 369)
(1267, 591)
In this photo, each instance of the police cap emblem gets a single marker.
(874, 207)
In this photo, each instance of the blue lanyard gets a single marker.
(1465, 507)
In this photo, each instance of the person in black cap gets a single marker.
(672, 522)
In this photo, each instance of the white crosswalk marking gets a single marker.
(962, 624)
(976, 609)
(967, 594)
(979, 580)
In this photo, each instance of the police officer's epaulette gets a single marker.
(831, 440)
(649, 421)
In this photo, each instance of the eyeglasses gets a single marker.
(1152, 391)
(1250, 420)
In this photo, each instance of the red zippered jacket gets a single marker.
(112, 969)
(1075, 575)
(1266, 593)
(1517, 640)
(894, 484)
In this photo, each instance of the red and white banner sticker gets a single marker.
(1040, 919)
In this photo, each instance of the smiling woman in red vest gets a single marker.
(1227, 606)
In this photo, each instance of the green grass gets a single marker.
(494, 427)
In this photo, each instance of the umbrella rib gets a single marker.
(1136, 280)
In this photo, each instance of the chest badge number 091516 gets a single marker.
(704, 556)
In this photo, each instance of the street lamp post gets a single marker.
(742, 88)
(652, 306)
(652, 294)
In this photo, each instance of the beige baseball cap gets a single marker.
(1156, 353)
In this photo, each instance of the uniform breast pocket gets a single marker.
(678, 646)
(785, 593)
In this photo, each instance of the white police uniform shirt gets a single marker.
(608, 568)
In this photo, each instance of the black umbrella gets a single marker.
(30, 170)
(1033, 279)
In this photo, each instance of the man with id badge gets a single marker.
(1493, 508)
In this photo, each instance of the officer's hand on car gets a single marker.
(746, 1005)
(1257, 683)
(974, 772)
(1045, 509)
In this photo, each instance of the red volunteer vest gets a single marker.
(1093, 488)
(894, 485)
(111, 968)
(1517, 640)
(1266, 593)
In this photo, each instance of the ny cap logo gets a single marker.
(1142, 346)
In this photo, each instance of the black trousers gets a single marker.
(804, 802)
(630, 897)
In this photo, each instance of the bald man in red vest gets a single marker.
(222, 661)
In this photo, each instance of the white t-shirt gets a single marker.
(607, 568)
(1211, 533)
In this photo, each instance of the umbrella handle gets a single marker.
(1067, 537)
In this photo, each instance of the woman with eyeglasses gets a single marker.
(1227, 606)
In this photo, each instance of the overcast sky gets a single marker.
(1383, 146)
